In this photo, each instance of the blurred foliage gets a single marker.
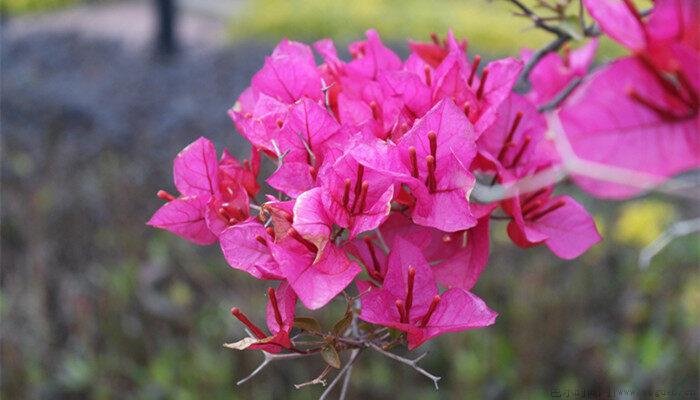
(14, 7)
(643, 221)
(489, 26)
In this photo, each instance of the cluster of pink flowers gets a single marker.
(376, 159)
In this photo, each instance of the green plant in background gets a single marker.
(307, 20)
(642, 221)
(14, 7)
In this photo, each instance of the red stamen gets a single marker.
(261, 240)
(482, 84)
(376, 113)
(509, 138)
(270, 231)
(432, 138)
(431, 310)
(520, 153)
(475, 66)
(533, 195)
(467, 108)
(685, 84)
(375, 261)
(566, 55)
(165, 195)
(431, 181)
(312, 171)
(662, 112)
(233, 211)
(280, 123)
(414, 161)
(435, 38)
(402, 311)
(666, 83)
(346, 192)
(296, 236)
(532, 207)
(559, 204)
(358, 185)
(275, 307)
(248, 115)
(363, 196)
(426, 71)
(409, 291)
(241, 317)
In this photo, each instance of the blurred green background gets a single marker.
(96, 305)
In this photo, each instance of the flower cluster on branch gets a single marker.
(376, 159)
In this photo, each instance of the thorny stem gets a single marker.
(411, 363)
(319, 380)
(269, 358)
(345, 370)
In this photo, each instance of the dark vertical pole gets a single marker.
(167, 14)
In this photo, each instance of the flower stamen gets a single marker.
(431, 310)
(519, 154)
(409, 291)
(475, 66)
(559, 204)
(162, 194)
(482, 84)
(414, 161)
(275, 307)
(431, 182)
(253, 328)
(373, 255)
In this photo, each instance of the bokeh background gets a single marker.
(96, 305)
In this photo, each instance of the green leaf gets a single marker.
(330, 356)
(343, 323)
(307, 324)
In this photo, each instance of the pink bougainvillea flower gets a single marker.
(559, 222)
(434, 155)
(246, 173)
(671, 23)
(304, 138)
(315, 277)
(515, 144)
(554, 72)
(433, 53)
(457, 258)
(289, 74)
(369, 253)
(492, 88)
(409, 301)
(356, 196)
(246, 246)
(211, 194)
(653, 127)
(280, 320)
(411, 96)
(370, 57)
